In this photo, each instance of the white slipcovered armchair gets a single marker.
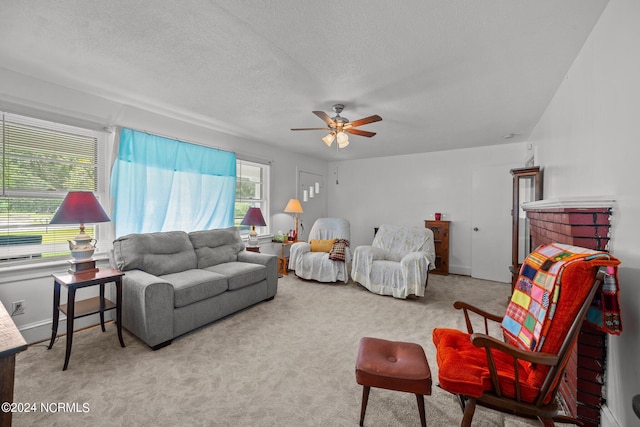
(318, 265)
(397, 263)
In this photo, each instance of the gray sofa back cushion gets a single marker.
(156, 253)
(215, 247)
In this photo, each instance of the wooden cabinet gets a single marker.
(527, 187)
(441, 240)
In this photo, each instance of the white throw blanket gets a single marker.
(317, 265)
(397, 262)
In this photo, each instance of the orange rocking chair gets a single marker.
(520, 373)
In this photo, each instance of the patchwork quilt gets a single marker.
(538, 288)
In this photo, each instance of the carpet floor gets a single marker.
(286, 362)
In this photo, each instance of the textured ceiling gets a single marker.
(443, 74)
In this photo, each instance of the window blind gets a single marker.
(40, 162)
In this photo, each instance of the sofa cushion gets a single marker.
(156, 253)
(195, 285)
(216, 246)
(240, 274)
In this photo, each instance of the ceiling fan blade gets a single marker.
(360, 132)
(312, 129)
(366, 120)
(324, 116)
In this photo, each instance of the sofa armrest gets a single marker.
(362, 261)
(415, 267)
(271, 264)
(297, 250)
(415, 257)
(147, 307)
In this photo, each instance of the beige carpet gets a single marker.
(287, 362)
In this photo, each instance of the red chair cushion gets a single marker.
(463, 368)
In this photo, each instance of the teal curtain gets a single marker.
(162, 184)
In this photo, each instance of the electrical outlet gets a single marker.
(17, 307)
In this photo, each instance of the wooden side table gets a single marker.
(86, 307)
(283, 261)
(11, 343)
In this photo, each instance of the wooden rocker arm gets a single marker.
(482, 340)
(465, 307)
(491, 343)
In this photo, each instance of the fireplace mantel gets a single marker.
(570, 203)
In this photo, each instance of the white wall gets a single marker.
(588, 144)
(24, 95)
(586, 141)
(408, 189)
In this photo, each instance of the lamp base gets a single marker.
(82, 266)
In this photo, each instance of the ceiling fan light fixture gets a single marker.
(343, 139)
(339, 126)
(329, 139)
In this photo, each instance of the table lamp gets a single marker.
(295, 208)
(80, 207)
(253, 217)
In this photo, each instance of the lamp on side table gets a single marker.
(253, 217)
(295, 208)
(81, 207)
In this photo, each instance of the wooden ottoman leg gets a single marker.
(365, 399)
(423, 419)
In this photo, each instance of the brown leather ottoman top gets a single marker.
(393, 365)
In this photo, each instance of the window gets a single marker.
(252, 187)
(40, 162)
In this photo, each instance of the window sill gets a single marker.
(35, 267)
(262, 239)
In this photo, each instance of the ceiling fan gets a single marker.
(339, 126)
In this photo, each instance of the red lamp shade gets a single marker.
(253, 217)
(80, 207)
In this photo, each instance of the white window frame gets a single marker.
(102, 232)
(266, 193)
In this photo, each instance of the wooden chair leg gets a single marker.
(365, 399)
(470, 409)
(462, 401)
(423, 419)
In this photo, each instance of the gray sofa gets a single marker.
(176, 282)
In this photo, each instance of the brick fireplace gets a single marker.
(583, 223)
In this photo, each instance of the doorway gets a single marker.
(491, 223)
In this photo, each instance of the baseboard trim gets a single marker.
(41, 331)
(608, 419)
(461, 270)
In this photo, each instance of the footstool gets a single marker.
(393, 365)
